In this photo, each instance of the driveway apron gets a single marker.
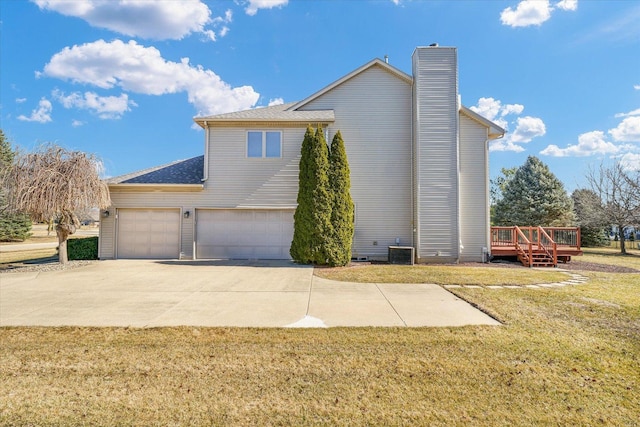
(154, 293)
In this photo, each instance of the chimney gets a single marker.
(435, 122)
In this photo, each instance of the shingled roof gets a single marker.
(189, 171)
(280, 113)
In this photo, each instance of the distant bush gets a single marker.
(81, 249)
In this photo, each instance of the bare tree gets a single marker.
(619, 191)
(53, 182)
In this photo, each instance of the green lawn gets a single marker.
(564, 356)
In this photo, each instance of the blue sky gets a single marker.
(124, 79)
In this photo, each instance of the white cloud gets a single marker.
(141, 69)
(255, 5)
(571, 5)
(40, 115)
(636, 87)
(276, 101)
(526, 128)
(528, 12)
(630, 161)
(149, 19)
(635, 112)
(504, 145)
(534, 12)
(21, 100)
(107, 107)
(77, 123)
(589, 143)
(628, 130)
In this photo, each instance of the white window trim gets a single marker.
(264, 143)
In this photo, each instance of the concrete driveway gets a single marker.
(148, 293)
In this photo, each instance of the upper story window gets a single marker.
(264, 144)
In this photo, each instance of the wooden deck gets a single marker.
(536, 246)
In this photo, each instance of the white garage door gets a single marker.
(148, 233)
(244, 234)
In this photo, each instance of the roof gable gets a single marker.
(373, 63)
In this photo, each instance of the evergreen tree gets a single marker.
(590, 215)
(312, 230)
(303, 218)
(13, 226)
(342, 214)
(534, 196)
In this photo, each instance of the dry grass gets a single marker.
(611, 256)
(31, 256)
(566, 356)
(440, 274)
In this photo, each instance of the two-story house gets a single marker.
(419, 173)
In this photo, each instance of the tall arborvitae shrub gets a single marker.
(303, 217)
(342, 214)
(322, 203)
(312, 230)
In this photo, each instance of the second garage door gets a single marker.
(148, 233)
(243, 234)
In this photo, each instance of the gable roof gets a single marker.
(189, 171)
(278, 113)
(290, 112)
(373, 63)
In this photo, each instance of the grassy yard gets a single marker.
(564, 356)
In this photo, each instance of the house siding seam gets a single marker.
(435, 94)
(373, 114)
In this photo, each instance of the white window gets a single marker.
(264, 144)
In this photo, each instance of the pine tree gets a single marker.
(13, 226)
(342, 214)
(534, 196)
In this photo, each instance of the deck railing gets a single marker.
(546, 243)
(527, 240)
(524, 247)
(565, 236)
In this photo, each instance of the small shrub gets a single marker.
(82, 249)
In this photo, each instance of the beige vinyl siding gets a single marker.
(234, 181)
(474, 213)
(187, 233)
(238, 181)
(106, 248)
(373, 113)
(435, 93)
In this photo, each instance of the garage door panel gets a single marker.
(244, 234)
(148, 233)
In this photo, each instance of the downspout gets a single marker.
(206, 152)
(458, 213)
(487, 190)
